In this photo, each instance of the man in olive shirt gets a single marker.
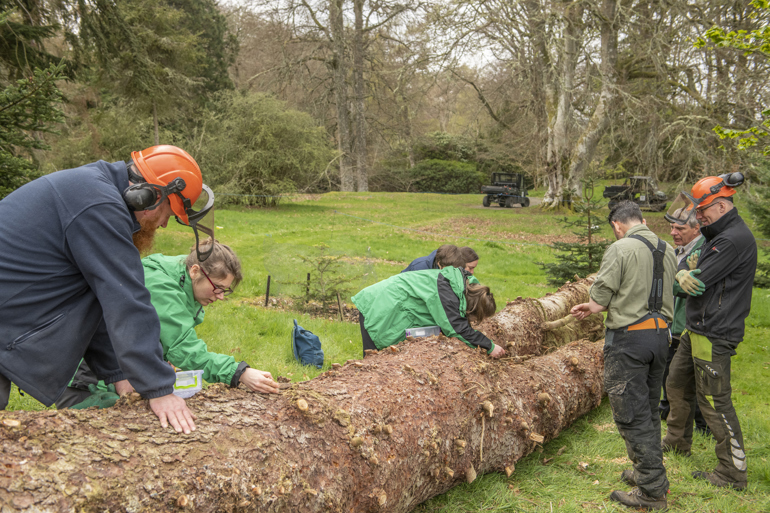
(636, 346)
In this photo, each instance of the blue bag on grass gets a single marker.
(306, 347)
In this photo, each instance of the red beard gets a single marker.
(144, 238)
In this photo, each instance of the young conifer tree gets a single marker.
(584, 256)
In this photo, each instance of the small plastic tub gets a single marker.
(426, 331)
(188, 383)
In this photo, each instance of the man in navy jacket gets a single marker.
(72, 280)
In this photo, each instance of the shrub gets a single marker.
(447, 176)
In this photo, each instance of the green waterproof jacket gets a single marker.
(432, 297)
(170, 286)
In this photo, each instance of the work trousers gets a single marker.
(698, 373)
(665, 407)
(5, 391)
(634, 362)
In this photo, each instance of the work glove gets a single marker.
(99, 398)
(692, 260)
(689, 283)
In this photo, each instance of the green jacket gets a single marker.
(680, 303)
(170, 287)
(432, 297)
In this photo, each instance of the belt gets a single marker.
(649, 324)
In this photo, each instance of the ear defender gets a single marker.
(141, 196)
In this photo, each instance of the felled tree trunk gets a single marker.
(534, 327)
(383, 434)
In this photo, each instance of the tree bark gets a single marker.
(519, 327)
(340, 70)
(362, 174)
(382, 434)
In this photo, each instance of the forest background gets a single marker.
(284, 96)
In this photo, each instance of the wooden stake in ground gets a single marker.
(382, 434)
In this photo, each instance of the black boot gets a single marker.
(637, 499)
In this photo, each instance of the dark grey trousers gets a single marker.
(634, 362)
(5, 391)
(708, 379)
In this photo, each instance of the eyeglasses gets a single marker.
(701, 210)
(217, 289)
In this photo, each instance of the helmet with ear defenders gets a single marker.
(169, 172)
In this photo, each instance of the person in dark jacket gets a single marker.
(446, 254)
(72, 278)
(719, 301)
(433, 297)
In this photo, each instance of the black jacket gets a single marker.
(728, 261)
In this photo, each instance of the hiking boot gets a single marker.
(671, 448)
(627, 476)
(717, 480)
(638, 499)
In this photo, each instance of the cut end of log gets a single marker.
(449, 472)
(356, 441)
(544, 398)
(302, 405)
(489, 408)
(11, 423)
(256, 490)
(387, 429)
(470, 474)
(537, 438)
(382, 498)
(509, 470)
(182, 501)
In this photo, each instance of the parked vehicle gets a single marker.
(642, 190)
(507, 190)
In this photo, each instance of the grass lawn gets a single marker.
(379, 234)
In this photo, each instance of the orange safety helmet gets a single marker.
(163, 164)
(706, 190)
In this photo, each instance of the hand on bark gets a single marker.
(172, 409)
(689, 283)
(580, 311)
(497, 352)
(692, 260)
(259, 381)
(123, 387)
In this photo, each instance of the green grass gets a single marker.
(379, 234)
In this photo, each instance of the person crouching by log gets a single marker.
(433, 297)
(448, 255)
(180, 287)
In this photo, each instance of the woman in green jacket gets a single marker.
(432, 297)
(180, 286)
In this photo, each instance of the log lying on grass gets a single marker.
(382, 434)
(529, 326)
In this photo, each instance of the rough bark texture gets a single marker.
(519, 327)
(382, 434)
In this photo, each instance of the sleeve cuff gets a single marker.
(238, 373)
(491, 348)
(158, 393)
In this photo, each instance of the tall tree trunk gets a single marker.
(585, 148)
(340, 69)
(557, 157)
(359, 90)
(382, 434)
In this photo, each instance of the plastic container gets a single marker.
(427, 331)
(188, 383)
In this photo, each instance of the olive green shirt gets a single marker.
(625, 278)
